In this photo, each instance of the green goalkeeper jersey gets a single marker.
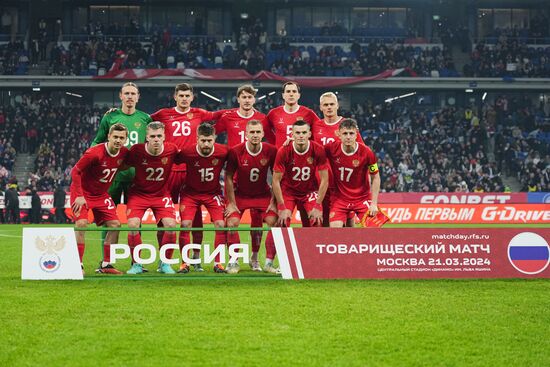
(137, 126)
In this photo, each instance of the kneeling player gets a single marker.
(246, 186)
(350, 162)
(91, 177)
(205, 162)
(294, 181)
(153, 162)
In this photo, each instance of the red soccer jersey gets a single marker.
(203, 173)
(93, 173)
(235, 125)
(278, 123)
(299, 168)
(324, 133)
(152, 171)
(251, 169)
(350, 171)
(181, 127)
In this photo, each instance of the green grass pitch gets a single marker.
(254, 319)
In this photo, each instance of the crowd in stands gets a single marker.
(508, 58)
(14, 58)
(372, 59)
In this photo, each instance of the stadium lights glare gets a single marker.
(211, 96)
(36, 89)
(389, 100)
(484, 96)
(469, 91)
(73, 94)
(262, 97)
(271, 93)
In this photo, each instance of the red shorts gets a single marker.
(162, 207)
(175, 183)
(103, 208)
(190, 203)
(257, 207)
(305, 202)
(340, 209)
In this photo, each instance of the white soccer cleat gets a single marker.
(233, 268)
(255, 265)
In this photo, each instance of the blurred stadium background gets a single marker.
(452, 96)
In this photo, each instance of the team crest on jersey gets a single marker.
(310, 160)
(119, 161)
(263, 161)
(189, 116)
(299, 118)
(137, 124)
(215, 161)
(355, 163)
(164, 160)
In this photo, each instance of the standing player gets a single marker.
(234, 122)
(136, 122)
(91, 177)
(295, 184)
(325, 131)
(153, 162)
(181, 123)
(279, 121)
(205, 161)
(350, 162)
(248, 164)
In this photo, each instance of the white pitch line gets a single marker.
(9, 235)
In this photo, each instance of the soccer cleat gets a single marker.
(255, 265)
(109, 269)
(184, 268)
(165, 268)
(269, 268)
(198, 267)
(83, 272)
(233, 268)
(218, 268)
(135, 269)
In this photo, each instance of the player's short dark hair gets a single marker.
(155, 125)
(300, 123)
(291, 83)
(348, 124)
(129, 84)
(183, 87)
(246, 88)
(118, 127)
(206, 129)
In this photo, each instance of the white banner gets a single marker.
(50, 253)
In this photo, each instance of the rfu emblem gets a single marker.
(50, 246)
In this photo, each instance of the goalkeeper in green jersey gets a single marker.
(136, 121)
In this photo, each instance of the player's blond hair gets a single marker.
(328, 95)
(129, 84)
(254, 123)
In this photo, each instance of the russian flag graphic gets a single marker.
(529, 253)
